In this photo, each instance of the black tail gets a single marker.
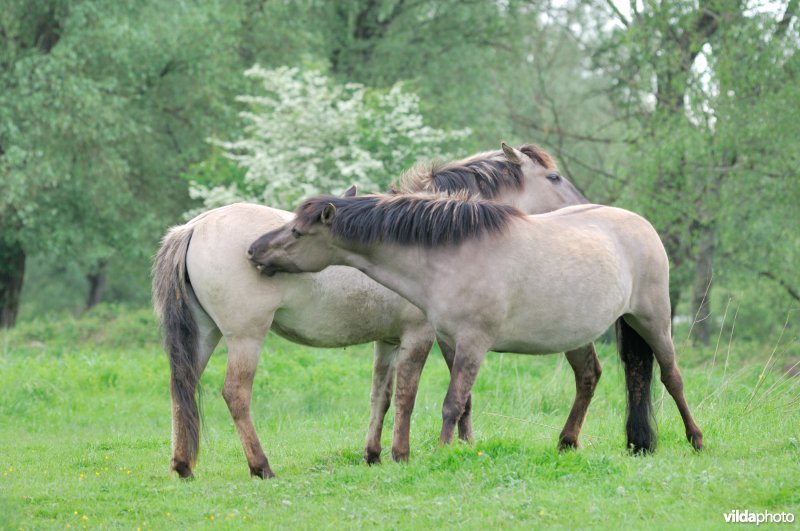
(172, 295)
(637, 357)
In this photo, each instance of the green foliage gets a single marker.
(712, 88)
(685, 113)
(85, 427)
(461, 56)
(305, 135)
(102, 105)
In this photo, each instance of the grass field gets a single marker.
(85, 428)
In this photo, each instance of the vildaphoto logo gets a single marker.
(750, 517)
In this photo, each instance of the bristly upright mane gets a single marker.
(410, 219)
(485, 174)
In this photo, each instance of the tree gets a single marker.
(306, 134)
(688, 77)
(100, 102)
(459, 57)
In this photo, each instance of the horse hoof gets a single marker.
(400, 456)
(637, 449)
(183, 469)
(372, 458)
(696, 440)
(262, 472)
(566, 444)
(466, 438)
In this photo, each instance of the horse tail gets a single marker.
(637, 357)
(173, 298)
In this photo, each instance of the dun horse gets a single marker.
(205, 289)
(490, 278)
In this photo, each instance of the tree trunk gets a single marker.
(97, 284)
(12, 272)
(354, 51)
(676, 252)
(701, 289)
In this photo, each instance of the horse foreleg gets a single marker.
(587, 371)
(382, 378)
(413, 354)
(465, 422)
(237, 391)
(467, 362)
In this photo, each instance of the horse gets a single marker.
(490, 278)
(205, 289)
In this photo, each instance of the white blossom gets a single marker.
(306, 135)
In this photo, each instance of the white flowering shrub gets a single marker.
(307, 135)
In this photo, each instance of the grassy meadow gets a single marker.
(85, 440)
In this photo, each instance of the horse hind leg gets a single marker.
(673, 381)
(465, 421)
(185, 437)
(661, 342)
(380, 398)
(587, 371)
(237, 391)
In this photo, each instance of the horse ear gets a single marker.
(350, 192)
(513, 155)
(328, 213)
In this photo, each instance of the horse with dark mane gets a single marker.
(488, 277)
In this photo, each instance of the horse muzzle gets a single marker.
(265, 270)
(263, 266)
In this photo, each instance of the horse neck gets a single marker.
(398, 268)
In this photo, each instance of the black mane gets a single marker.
(485, 174)
(412, 219)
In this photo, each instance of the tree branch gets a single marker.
(527, 122)
(625, 22)
(786, 19)
(789, 289)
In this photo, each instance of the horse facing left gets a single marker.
(490, 278)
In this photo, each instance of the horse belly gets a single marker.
(341, 306)
(548, 316)
(548, 338)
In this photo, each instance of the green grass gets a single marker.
(85, 427)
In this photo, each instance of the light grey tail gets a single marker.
(172, 299)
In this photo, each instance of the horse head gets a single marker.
(299, 246)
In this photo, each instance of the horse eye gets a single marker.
(553, 177)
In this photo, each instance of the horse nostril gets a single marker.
(250, 253)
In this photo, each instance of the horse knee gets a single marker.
(238, 403)
(451, 411)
